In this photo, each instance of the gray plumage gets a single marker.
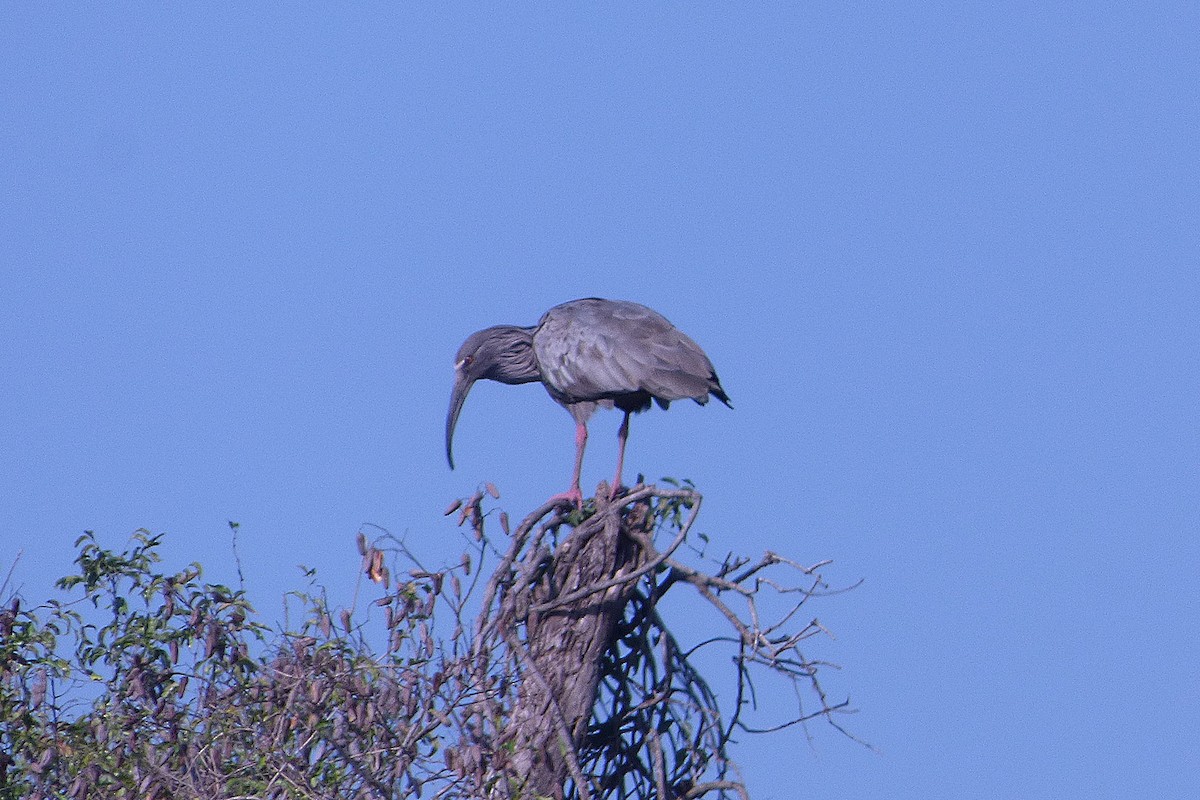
(589, 353)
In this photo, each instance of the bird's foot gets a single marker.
(573, 496)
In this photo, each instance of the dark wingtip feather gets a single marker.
(718, 392)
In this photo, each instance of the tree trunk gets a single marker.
(563, 649)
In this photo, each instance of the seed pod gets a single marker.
(210, 641)
(375, 568)
(39, 688)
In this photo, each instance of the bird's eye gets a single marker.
(468, 360)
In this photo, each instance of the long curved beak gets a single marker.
(462, 385)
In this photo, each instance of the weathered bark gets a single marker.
(562, 649)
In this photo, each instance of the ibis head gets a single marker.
(502, 353)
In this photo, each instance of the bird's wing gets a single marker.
(589, 349)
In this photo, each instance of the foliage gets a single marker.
(155, 684)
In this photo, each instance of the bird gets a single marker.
(589, 353)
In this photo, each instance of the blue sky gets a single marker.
(943, 257)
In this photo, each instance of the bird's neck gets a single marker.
(515, 361)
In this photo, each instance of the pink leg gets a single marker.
(622, 435)
(575, 494)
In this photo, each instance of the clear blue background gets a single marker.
(943, 256)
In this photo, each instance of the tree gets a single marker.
(556, 676)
